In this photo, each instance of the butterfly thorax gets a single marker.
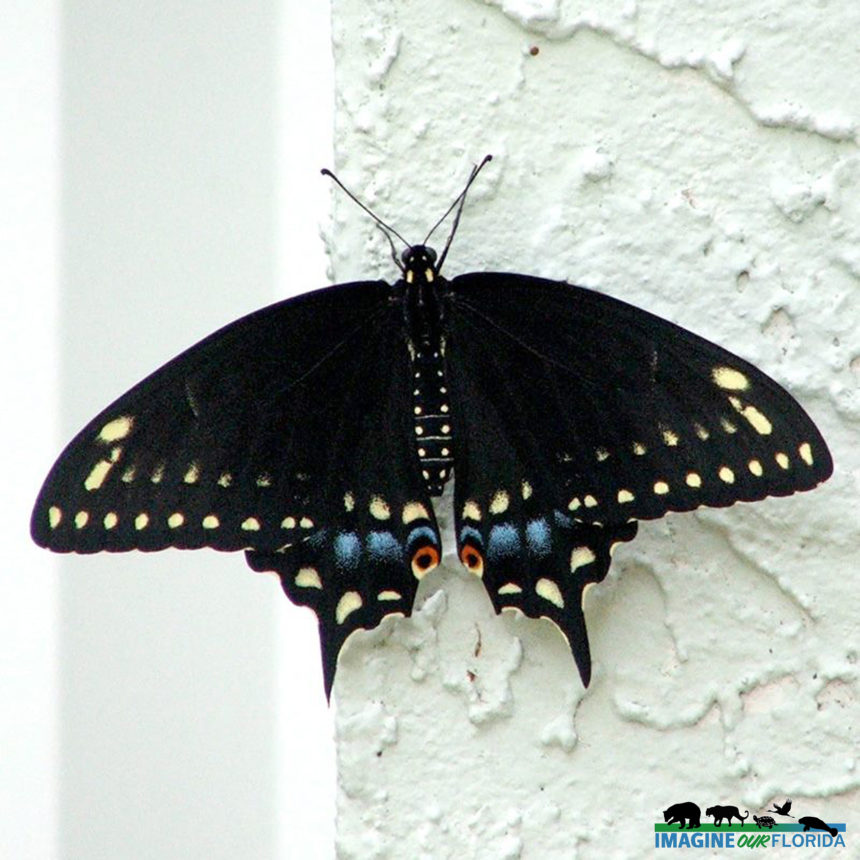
(422, 309)
(423, 318)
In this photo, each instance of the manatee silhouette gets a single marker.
(813, 823)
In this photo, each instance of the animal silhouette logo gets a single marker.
(782, 810)
(726, 812)
(728, 828)
(681, 812)
(810, 822)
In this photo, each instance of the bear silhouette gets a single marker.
(728, 812)
(681, 812)
(810, 821)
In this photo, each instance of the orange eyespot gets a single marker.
(472, 560)
(424, 560)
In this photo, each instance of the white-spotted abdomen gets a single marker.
(431, 408)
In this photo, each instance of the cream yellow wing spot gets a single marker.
(308, 577)
(389, 594)
(414, 511)
(510, 588)
(288, 523)
(549, 591)
(110, 520)
(499, 503)
(730, 379)
(379, 508)
(175, 520)
(726, 475)
(81, 519)
(670, 437)
(805, 451)
(661, 488)
(755, 467)
(694, 480)
(580, 557)
(210, 521)
(625, 496)
(251, 524)
(758, 421)
(590, 501)
(782, 460)
(97, 475)
(349, 602)
(472, 511)
(55, 516)
(192, 474)
(116, 429)
(141, 521)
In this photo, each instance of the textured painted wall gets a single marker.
(701, 161)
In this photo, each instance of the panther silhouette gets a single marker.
(729, 812)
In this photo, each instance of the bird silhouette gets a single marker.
(782, 810)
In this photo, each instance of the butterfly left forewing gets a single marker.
(222, 445)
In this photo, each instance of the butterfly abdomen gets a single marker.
(432, 413)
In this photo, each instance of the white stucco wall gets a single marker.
(699, 160)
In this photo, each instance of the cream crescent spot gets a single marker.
(350, 602)
(549, 591)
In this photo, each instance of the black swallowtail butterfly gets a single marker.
(312, 434)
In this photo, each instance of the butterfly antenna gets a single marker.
(380, 223)
(459, 202)
(394, 256)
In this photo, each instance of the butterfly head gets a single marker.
(419, 265)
